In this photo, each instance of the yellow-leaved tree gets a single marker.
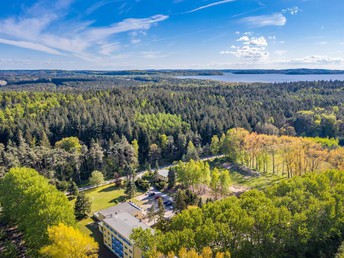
(69, 242)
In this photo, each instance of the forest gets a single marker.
(60, 130)
(161, 116)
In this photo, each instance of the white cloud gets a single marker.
(48, 34)
(254, 53)
(210, 5)
(30, 45)
(243, 38)
(260, 41)
(276, 19)
(125, 26)
(108, 48)
(152, 54)
(319, 60)
(280, 52)
(293, 11)
(253, 48)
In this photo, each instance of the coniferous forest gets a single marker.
(69, 128)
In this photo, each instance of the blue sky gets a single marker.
(145, 34)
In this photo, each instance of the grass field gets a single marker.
(260, 183)
(249, 182)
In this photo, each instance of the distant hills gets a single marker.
(50, 74)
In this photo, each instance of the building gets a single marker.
(116, 224)
(163, 175)
(128, 207)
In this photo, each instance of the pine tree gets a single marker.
(73, 189)
(171, 178)
(180, 203)
(130, 189)
(161, 215)
(82, 206)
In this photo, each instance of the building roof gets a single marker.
(128, 207)
(163, 172)
(124, 223)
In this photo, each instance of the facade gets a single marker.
(116, 225)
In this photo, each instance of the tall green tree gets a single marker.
(96, 178)
(29, 201)
(82, 206)
(171, 178)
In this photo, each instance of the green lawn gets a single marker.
(261, 182)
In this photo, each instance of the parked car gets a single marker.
(168, 203)
(151, 194)
(157, 197)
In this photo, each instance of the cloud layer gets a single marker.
(33, 30)
(276, 19)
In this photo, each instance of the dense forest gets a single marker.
(157, 118)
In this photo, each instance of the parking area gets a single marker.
(150, 199)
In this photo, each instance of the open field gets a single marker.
(261, 182)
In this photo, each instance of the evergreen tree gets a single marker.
(73, 189)
(130, 188)
(82, 206)
(179, 201)
(162, 223)
(171, 178)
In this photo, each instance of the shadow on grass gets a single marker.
(265, 180)
(103, 252)
(119, 199)
(110, 188)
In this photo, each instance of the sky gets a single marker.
(171, 34)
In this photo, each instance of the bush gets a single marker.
(160, 184)
(143, 185)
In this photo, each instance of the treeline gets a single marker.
(283, 155)
(69, 160)
(299, 217)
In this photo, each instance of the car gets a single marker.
(157, 197)
(168, 203)
(151, 194)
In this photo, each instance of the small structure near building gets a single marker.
(116, 224)
(163, 175)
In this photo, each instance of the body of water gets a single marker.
(267, 78)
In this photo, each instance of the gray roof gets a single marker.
(163, 172)
(122, 207)
(124, 223)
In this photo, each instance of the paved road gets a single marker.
(141, 173)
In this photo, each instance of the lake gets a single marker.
(267, 78)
